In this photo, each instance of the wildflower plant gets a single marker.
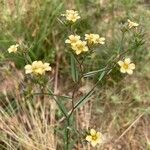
(84, 46)
(79, 48)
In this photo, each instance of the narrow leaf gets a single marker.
(101, 76)
(92, 73)
(84, 99)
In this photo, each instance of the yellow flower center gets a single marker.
(38, 69)
(94, 137)
(125, 66)
(91, 39)
(73, 40)
(80, 47)
(73, 17)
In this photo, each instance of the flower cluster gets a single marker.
(37, 67)
(71, 15)
(13, 48)
(77, 45)
(94, 39)
(94, 137)
(72, 39)
(126, 66)
(132, 24)
(80, 46)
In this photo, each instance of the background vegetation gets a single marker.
(119, 107)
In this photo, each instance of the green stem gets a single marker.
(67, 133)
(122, 40)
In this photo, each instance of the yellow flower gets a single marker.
(71, 15)
(126, 66)
(132, 24)
(79, 47)
(37, 67)
(101, 40)
(94, 39)
(94, 138)
(73, 39)
(13, 48)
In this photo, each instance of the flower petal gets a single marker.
(85, 49)
(120, 63)
(67, 41)
(89, 138)
(98, 134)
(130, 71)
(94, 143)
(34, 62)
(127, 61)
(122, 70)
(47, 67)
(132, 66)
(78, 52)
(28, 69)
(92, 132)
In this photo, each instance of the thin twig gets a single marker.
(129, 127)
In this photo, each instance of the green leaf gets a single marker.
(74, 69)
(84, 99)
(101, 76)
(60, 105)
(92, 73)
